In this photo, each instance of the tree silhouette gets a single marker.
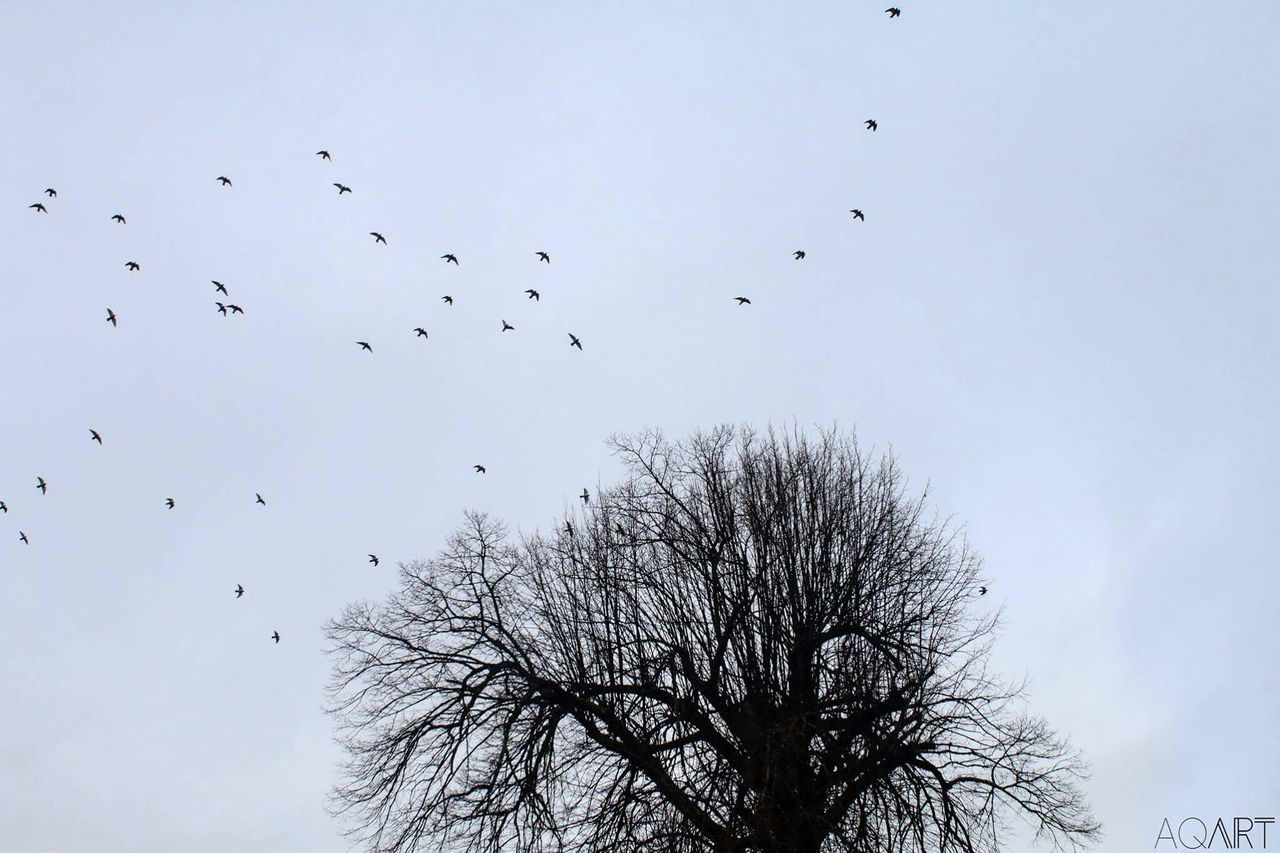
(756, 642)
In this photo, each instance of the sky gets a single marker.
(1059, 314)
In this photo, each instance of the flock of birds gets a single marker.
(229, 309)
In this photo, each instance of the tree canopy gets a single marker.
(754, 642)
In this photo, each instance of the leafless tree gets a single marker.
(757, 642)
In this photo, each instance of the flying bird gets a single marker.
(982, 590)
(38, 206)
(378, 238)
(798, 254)
(420, 332)
(586, 496)
(259, 499)
(118, 218)
(94, 436)
(222, 309)
(535, 295)
(221, 288)
(323, 155)
(893, 11)
(23, 538)
(4, 507)
(544, 257)
(111, 317)
(275, 635)
(568, 527)
(365, 345)
(170, 503)
(742, 300)
(447, 300)
(857, 214)
(224, 180)
(342, 188)
(507, 326)
(871, 124)
(51, 192)
(42, 485)
(450, 259)
(133, 266)
(235, 309)
(239, 590)
(480, 469)
(373, 558)
(574, 342)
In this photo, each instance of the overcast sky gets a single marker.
(1060, 313)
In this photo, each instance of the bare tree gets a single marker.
(754, 643)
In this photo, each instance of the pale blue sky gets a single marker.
(1060, 313)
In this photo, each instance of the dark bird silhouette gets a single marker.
(798, 254)
(586, 496)
(342, 188)
(534, 295)
(857, 214)
(118, 218)
(23, 538)
(239, 591)
(365, 345)
(574, 342)
(133, 266)
(111, 317)
(221, 288)
(893, 11)
(51, 192)
(982, 590)
(235, 309)
(224, 180)
(38, 207)
(480, 469)
(323, 155)
(170, 503)
(450, 259)
(420, 332)
(222, 309)
(258, 499)
(378, 238)
(275, 635)
(447, 300)
(373, 558)
(871, 124)
(507, 326)
(544, 257)
(4, 507)
(568, 527)
(94, 436)
(742, 300)
(42, 485)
